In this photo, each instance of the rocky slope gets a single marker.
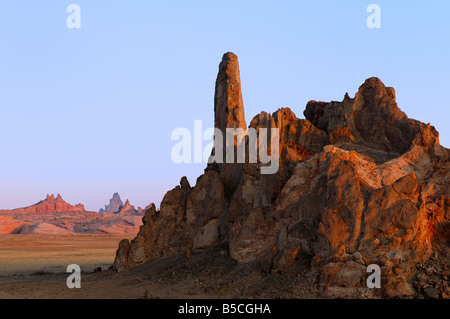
(9, 225)
(44, 228)
(359, 183)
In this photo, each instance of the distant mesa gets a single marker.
(50, 205)
(53, 211)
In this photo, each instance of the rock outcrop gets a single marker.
(44, 229)
(358, 183)
(9, 225)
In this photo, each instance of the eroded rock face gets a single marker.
(204, 210)
(359, 183)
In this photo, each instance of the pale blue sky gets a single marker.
(89, 112)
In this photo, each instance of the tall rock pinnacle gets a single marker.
(228, 104)
(228, 113)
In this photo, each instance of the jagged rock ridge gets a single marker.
(359, 183)
(49, 205)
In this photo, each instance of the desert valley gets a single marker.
(44, 238)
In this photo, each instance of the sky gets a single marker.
(86, 112)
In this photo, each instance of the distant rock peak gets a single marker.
(114, 205)
(117, 207)
(127, 208)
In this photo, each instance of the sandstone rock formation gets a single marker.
(9, 225)
(51, 210)
(359, 183)
(49, 205)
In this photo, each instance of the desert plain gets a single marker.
(34, 266)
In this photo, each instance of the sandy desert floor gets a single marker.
(35, 267)
(33, 261)
(37, 254)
